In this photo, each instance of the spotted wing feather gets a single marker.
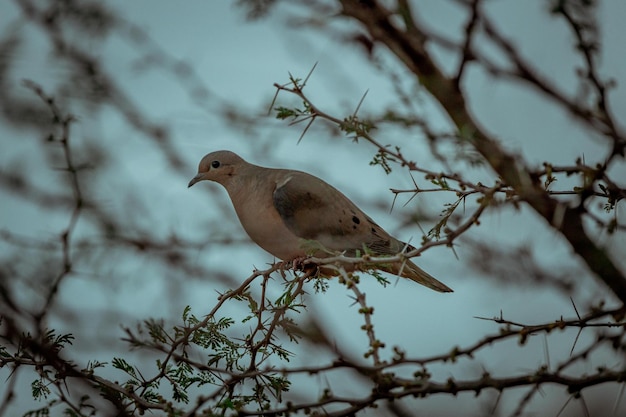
(314, 210)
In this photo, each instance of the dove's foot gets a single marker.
(298, 263)
(308, 268)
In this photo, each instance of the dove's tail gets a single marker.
(409, 270)
(406, 269)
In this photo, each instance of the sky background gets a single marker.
(237, 62)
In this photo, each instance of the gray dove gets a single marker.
(286, 211)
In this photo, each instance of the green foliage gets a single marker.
(441, 227)
(295, 114)
(356, 127)
(320, 285)
(40, 389)
(121, 364)
(93, 365)
(382, 280)
(56, 342)
(550, 178)
(216, 354)
(382, 159)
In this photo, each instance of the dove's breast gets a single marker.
(262, 222)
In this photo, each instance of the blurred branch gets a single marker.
(63, 122)
(55, 19)
(518, 266)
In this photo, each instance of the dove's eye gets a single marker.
(215, 164)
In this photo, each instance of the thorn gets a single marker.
(575, 309)
(411, 198)
(360, 102)
(305, 130)
(395, 196)
(269, 111)
(309, 74)
(575, 341)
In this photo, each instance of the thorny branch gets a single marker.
(385, 374)
(247, 370)
(407, 43)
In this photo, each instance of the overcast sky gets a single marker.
(238, 62)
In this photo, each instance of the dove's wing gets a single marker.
(314, 210)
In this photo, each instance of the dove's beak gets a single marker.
(196, 179)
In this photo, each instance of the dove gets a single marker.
(288, 212)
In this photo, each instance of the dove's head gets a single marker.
(218, 166)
